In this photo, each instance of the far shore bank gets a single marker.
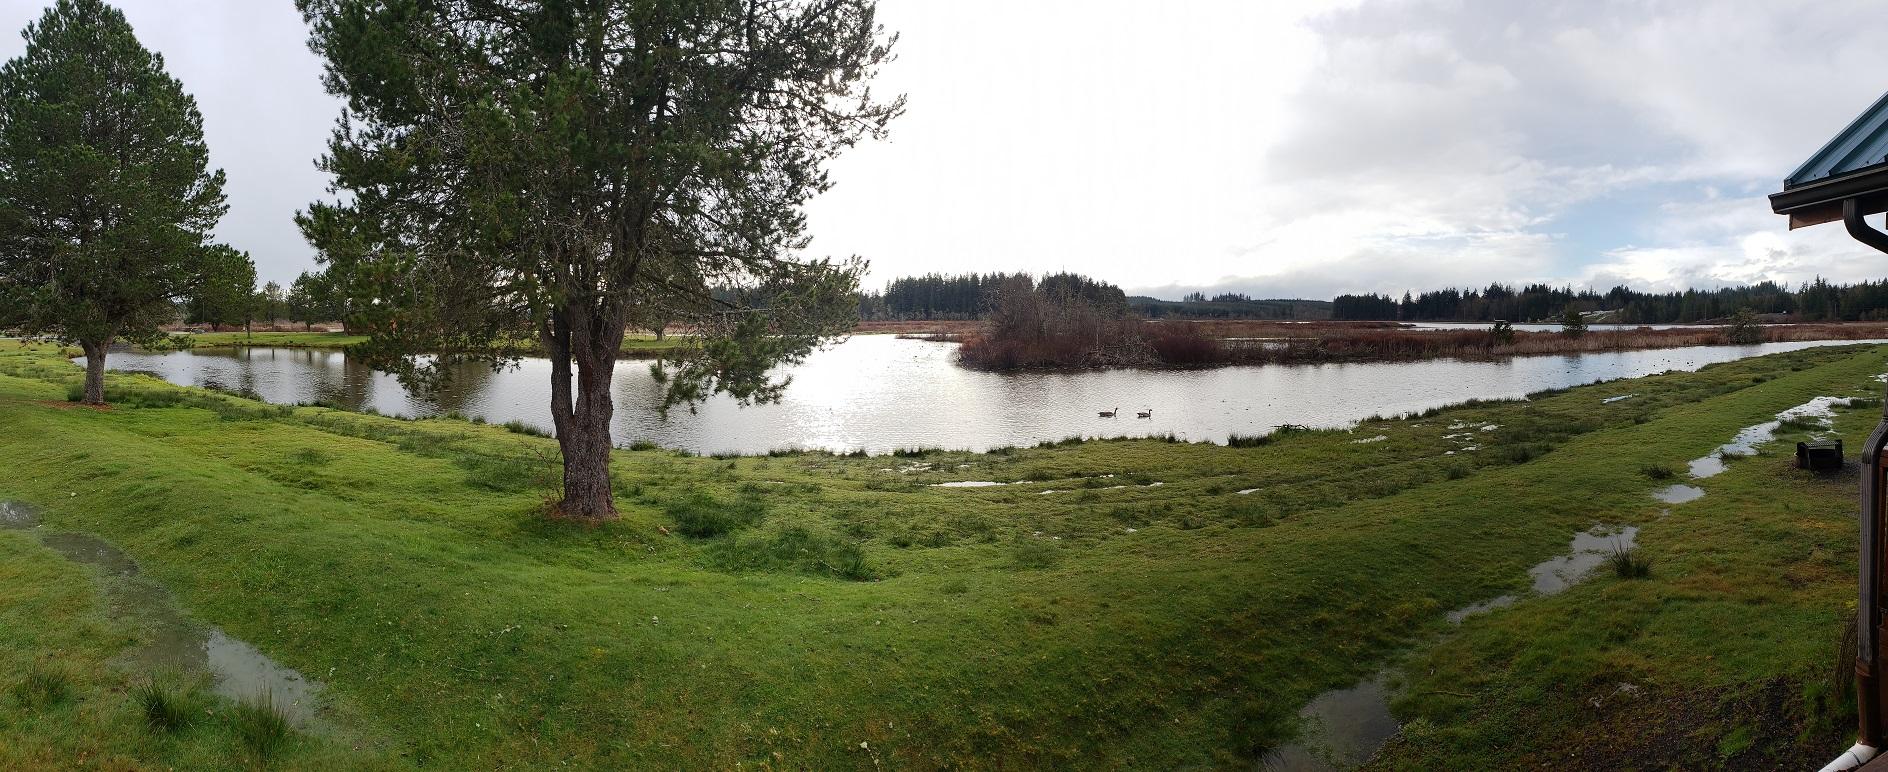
(634, 346)
(1214, 343)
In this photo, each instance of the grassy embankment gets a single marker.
(808, 610)
(633, 345)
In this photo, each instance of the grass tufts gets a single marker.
(261, 725)
(797, 548)
(1627, 563)
(165, 709)
(701, 516)
(520, 427)
(1659, 471)
(1034, 553)
(43, 688)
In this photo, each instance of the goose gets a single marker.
(1148, 413)
(1109, 413)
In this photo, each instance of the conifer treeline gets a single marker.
(1814, 301)
(968, 296)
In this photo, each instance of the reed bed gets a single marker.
(1205, 344)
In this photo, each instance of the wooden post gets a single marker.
(1869, 630)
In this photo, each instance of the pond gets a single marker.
(882, 393)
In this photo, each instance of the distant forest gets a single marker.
(1814, 301)
(968, 296)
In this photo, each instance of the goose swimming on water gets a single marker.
(1109, 413)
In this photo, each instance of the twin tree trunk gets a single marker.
(94, 371)
(583, 419)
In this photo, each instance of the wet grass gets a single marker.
(1736, 629)
(783, 610)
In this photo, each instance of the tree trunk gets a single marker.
(94, 372)
(583, 423)
(585, 442)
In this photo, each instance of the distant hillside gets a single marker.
(1230, 308)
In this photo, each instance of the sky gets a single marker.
(1272, 148)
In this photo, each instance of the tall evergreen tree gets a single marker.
(552, 169)
(106, 200)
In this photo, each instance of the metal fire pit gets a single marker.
(1819, 455)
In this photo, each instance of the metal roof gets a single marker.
(1862, 145)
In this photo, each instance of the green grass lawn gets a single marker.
(825, 612)
(633, 345)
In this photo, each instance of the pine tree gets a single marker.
(106, 200)
(557, 170)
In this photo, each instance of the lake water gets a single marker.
(882, 393)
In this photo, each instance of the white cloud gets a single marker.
(1437, 143)
(1271, 147)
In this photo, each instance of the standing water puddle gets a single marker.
(238, 670)
(1821, 410)
(1343, 728)
(1587, 552)
(1678, 494)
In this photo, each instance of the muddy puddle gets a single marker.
(1344, 727)
(171, 640)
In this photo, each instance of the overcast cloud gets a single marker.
(1265, 147)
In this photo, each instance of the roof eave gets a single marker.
(1819, 202)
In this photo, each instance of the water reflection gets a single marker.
(881, 393)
